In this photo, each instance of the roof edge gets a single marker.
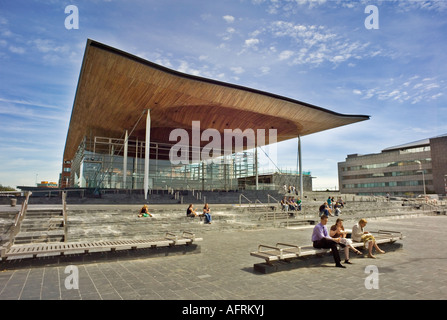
(127, 55)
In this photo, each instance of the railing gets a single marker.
(64, 214)
(258, 201)
(240, 200)
(16, 226)
(268, 199)
(22, 212)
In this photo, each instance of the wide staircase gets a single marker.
(96, 222)
(41, 226)
(122, 221)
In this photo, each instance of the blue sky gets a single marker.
(319, 52)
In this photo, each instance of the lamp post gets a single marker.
(423, 176)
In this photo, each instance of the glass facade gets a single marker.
(386, 164)
(99, 163)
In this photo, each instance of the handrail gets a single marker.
(21, 214)
(268, 199)
(17, 222)
(240, 199)
(64, 214)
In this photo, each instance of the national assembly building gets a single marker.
(132, 117)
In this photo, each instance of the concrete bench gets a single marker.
(287, 252)
(64, 248)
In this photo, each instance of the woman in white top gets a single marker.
(360, 235)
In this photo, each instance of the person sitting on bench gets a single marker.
(360, 235)
(338, 231)
(322, 240)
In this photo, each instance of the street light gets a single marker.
(423, 176)
(445, 184)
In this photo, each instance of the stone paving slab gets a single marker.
(223, 270)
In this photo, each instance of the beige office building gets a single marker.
(406, 170)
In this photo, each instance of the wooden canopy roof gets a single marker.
(115, 87)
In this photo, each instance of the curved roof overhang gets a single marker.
(115, 87)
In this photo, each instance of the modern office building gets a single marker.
(410, 169)
(131, 118)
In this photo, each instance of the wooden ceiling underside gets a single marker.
(115, 88)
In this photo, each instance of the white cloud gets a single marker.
(163, 61)
(252, 42)
(237, 70)
(315, 44)
(185, 68)
(18, 50)
(46, 46)
(405, 90)
(265, 70)
(286, 54)
(30, 113)
(429, 5)
(29, 103)
(228, 18)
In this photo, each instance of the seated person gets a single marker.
(144, 212)
(284, 204)
(321, 239)
(298, 203)
(292, 204)
(337, 210)
(338, 231)
(190, 212)
(207, 213)
(325, 210)
(360, 235)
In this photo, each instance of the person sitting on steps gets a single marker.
(207, 213)
(144, 212)
(190, 212)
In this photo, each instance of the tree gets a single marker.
(2, 188)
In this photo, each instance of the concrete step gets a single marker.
(114, 222)
(43, 214)
(41, 225)
(36, 237)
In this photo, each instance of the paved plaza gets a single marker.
(223, 270)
